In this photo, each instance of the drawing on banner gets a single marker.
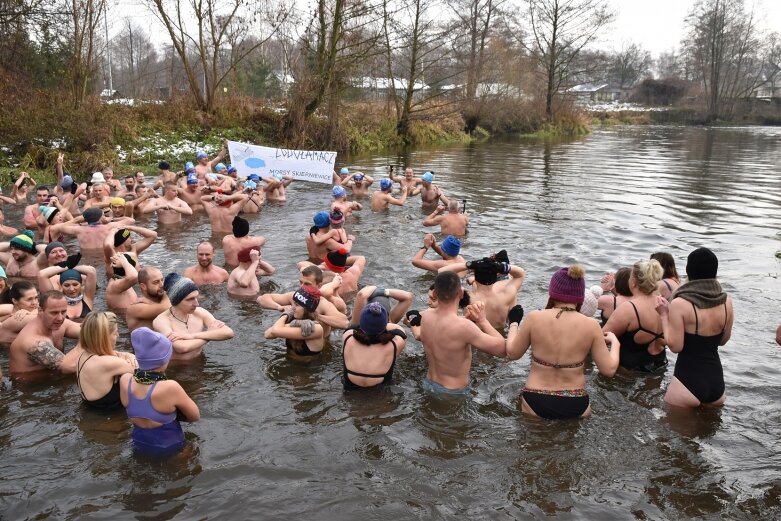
(302, 165)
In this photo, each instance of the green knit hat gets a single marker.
(24, 241)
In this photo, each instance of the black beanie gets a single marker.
(702, 264)
(240, 227)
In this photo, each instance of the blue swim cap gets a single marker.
(213, 177)
(201, 155)
(252, 185)
(192, 179)
(188, 165)
(358, 177)
(232, 169)
(451, 246)
(67, 181)
(219, 167)
(338, 191)
(344, 170)
(278, 176)
(322, 219)
(254, 177)
(427, 177)
(385, 184)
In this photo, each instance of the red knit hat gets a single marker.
(336, 260)
(568, 287)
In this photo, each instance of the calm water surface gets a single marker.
(279, 440)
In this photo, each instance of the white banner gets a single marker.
(303, 165)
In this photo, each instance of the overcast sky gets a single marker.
(655, 24)
(658, 24)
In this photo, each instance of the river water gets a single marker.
(279, 440)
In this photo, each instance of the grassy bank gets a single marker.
(137, 137)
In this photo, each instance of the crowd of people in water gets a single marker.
(629, 321)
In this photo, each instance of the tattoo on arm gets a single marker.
(45, 354)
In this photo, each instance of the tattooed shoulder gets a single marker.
(45, 354)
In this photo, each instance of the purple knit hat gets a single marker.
(564, 288)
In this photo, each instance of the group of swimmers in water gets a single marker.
(644, 309)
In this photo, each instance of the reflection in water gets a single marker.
(282, 439)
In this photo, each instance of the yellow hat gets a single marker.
(117, 201)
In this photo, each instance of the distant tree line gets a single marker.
(421, 58)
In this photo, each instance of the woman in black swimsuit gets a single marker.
(304, 337)
(563, 338)
(696, 322)
(99, 367)
(369, 350)
(78, 285)
(637, 324)
(670, 279)
(616, 292)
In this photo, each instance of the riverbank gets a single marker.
(132, 135)
(136, 135)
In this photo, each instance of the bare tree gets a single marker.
(339, 35)
(85, 19)
(628, 65)
(560, 31)
(722, 44)
(138, 66)
(207, 27)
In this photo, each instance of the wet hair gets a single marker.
(313, 270)
(96, 330)
(46, 296)
(622, 282)
(16, 291)
(367, 340)
(668, 265)
(446, 286)
(40, 188)
(647, 274)
(452, 205)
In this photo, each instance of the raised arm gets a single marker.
(44, 276)
(149, 237)
(483, 336)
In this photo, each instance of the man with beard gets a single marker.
(39, 345)
(18, 255)
(152, 301)
(205, 272)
